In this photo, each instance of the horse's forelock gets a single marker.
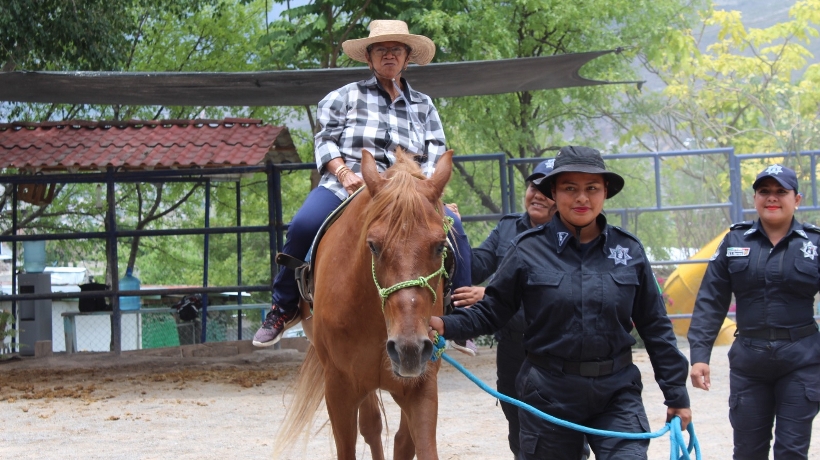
(400, 203)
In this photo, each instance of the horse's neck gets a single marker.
(350, 227)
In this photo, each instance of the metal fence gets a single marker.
(158, 327)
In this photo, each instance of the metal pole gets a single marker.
(813, 158)
(14, 264)
(274, 221)
(113, 256)
(239, 260)
(204, 331)
(657, 161)
(506, 204)
(735, 192)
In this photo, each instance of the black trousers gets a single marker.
(510, 357)
(611, 402)
(773, 381)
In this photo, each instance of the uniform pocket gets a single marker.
(733, 400)
(619, 297)
(544, 278)
(625, 278)
(812, 393)
(528, 442)
(738, 264)
(738, 273)
(806, 274)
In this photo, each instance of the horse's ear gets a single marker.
(444, 168)
(370, 173)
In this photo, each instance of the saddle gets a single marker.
(304, 272)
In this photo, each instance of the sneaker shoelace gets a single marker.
(271, 318)
(281, 319)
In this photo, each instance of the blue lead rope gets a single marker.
(679, 450)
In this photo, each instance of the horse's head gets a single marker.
(404, 229)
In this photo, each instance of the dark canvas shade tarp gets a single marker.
(289, 88)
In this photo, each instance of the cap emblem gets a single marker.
(774, 170)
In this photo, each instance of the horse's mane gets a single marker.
(399, 202)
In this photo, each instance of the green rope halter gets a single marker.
(421, 281)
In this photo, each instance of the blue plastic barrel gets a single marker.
(34, 256)
(129, 282)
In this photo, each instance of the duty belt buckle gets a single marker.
(772, 334)
(590, 369)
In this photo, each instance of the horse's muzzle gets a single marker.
(409, 358)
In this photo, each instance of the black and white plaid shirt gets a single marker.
(361, 116)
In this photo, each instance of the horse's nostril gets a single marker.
(427, 349)
(391, 351)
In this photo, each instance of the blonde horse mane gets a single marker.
(399, 202)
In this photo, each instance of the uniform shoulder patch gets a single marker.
(744, 224)
(527, 233)
(513, 215)
(811, 228)
(625, 232)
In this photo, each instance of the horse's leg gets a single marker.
(419, 405)
(403, 447)
(342, 402)
(370, 425)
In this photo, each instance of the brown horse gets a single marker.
(378, 279)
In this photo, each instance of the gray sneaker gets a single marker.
(465, 346)
(275, 323)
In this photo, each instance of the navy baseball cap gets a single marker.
(783, 175)
(541, 169)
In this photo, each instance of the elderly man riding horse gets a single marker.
(380, 114)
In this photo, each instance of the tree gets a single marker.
(91, 35)
(753, 89)
(188, 36)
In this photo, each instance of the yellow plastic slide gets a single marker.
(681, 289)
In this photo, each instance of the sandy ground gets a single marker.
(150, 407)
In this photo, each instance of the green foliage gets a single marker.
(753, 89)
(533, 124)
(743, 91)
(88, 35)
(311, 36)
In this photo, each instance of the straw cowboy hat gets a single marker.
(382, 30)
(583, 160)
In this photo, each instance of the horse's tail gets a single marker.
(310, 391)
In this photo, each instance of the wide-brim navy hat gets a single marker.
(541, 169)
(783, 175)
(583, 160)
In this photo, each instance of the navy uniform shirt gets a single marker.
(774, 286)
(580, 302)
(488, 256)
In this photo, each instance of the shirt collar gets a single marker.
(563, 235)
(795, 228)
(409, 93)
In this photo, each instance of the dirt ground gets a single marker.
(136, 406)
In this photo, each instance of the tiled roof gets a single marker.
(143, 145)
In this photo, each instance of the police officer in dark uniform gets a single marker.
(582, 283)
(538, 210)
(772, 267)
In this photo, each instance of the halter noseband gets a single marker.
(421, 281)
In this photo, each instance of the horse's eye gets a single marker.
(373, 248)
(441, 248)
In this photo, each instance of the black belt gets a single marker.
(583, 368)
(795, 333)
